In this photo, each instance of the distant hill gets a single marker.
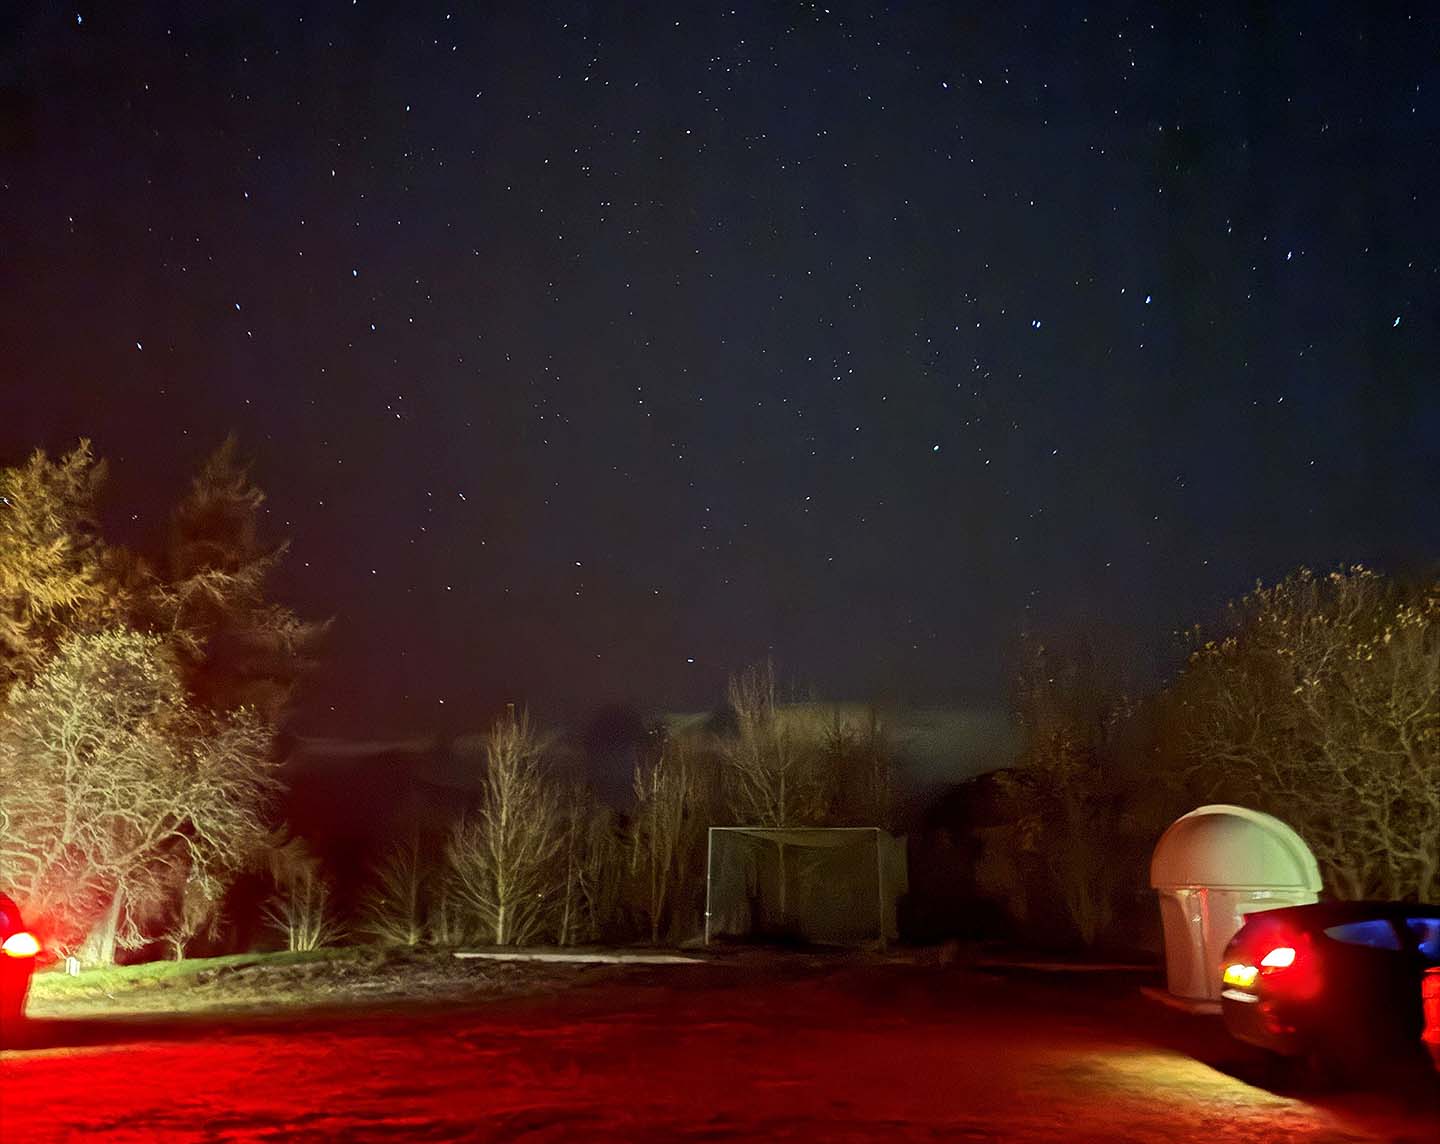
(364, 790)
(937, 745)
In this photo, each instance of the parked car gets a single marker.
(18, 951)
(1336, 985)
(1430, 992)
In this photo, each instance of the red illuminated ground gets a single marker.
(762, 1050)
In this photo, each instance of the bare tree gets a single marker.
(592, 866)
(195, 913)
(772, 773)
(1065, 819)
(506, 856)
(860, 759)
(664, 830)
(1388, 726)
(301, 912)
(1322, 703)
(394, 909)
(446, 921)
(1064, 791)
(116, 790)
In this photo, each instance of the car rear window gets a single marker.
(1376, 933)
(1426, 932)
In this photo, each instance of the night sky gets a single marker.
(588, 351)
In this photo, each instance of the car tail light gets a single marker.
(1239, 975)
(1281, 957)
(1287, 968)
(1291, 970)
(21, 944)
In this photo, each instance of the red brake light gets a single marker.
(21, 944)
(1281, 957)
(1287, 970)
(1292, 970)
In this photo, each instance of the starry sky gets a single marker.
(588, 351)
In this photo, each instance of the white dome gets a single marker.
(1233, 848)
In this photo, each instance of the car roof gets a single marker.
(1318, 915)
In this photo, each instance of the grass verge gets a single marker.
(56, 985)
(351, 975)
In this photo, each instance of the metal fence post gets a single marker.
(709, 858)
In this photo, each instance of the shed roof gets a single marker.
(1234, 848)
(820, 836)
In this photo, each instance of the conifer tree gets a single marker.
(53, 565)
(236, 647)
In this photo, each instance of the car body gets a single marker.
(19, 949)
(1339, 982)
(1430, 992)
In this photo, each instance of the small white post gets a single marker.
(880, 889)
(709, 852)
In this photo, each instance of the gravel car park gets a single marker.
(751, 1048)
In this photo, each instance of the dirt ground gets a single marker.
(751, 1048)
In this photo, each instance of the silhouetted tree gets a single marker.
(1065, 791)
(860, 760)
(237, 646)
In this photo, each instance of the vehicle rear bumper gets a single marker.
(1254, 1022)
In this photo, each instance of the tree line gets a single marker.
(140, 767)
(538, 858)
(1315, 698)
